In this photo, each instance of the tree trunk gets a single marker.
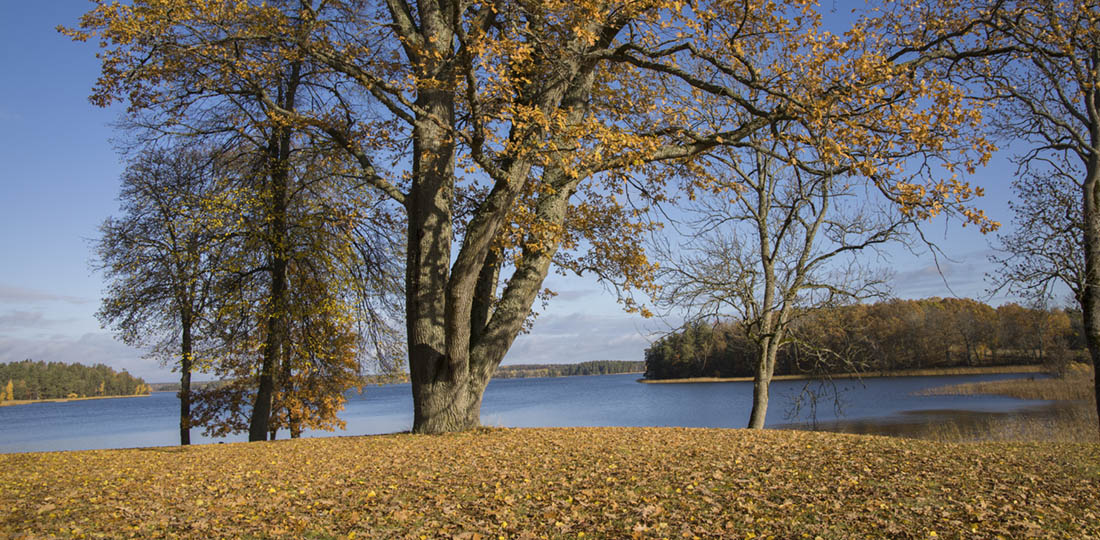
(278, 154)
(761, 382)
(261, 410)
(185, 382)
(438, 379)
(286, 390)
(258, 426)
(1090, 294)
(456, 334)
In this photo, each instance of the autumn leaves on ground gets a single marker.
(560, 483)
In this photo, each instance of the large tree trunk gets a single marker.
(457, 335)
(438, 379)
(185, 381)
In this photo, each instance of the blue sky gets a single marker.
(59, 179)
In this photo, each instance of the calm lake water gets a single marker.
(603, 400)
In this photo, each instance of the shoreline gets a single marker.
(933, 372)
(16, 402)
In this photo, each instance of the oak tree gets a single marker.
(516, 135)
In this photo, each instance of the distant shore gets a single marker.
(13, 402)
(977, 370)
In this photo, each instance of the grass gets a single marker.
(1075, 384)
(931, 372)
(1073, 418)
(1056, 424)
(559, 483)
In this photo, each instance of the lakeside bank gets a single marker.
(14, 402)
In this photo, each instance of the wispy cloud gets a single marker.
(579, 337)
(88, 349)
(963, 278)
(19, 295)
(27, 319)
(573, 294)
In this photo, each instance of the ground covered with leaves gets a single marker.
(560, 483)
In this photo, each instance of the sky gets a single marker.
(59, 180)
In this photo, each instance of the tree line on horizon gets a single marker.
(883, 336)
(592, 367)
(513, 371)
(30, 380)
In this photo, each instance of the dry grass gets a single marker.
(1074, 423)
(559, 483)
(1075, 385)
(1072, 419)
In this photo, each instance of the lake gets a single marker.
(599, 400)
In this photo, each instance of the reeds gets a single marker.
(1075, 385)
(1075, 423)
(1071, 419)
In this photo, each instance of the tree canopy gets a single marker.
(512, 136)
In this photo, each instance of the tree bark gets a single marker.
(1090, 294)
(185, 381)
(761, 382)
(438, 379)
(261, 410)
(279, 150)
(457, 335)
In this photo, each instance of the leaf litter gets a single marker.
(560, 483)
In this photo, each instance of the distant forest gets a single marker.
(53, 380)
(175, 386)
(891, 335)
(595, 367)
(518, 371)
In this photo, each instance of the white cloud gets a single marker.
(88, 349)
(19, 295)
(29, 320)
(964, 278)
(22, 319)
(580, 337)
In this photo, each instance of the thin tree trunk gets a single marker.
(286, 389)
(1090, 294)
(258, 426)
(261, 410)
(260, 420)
(185, 382)
(279, 148)
(761, 383)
